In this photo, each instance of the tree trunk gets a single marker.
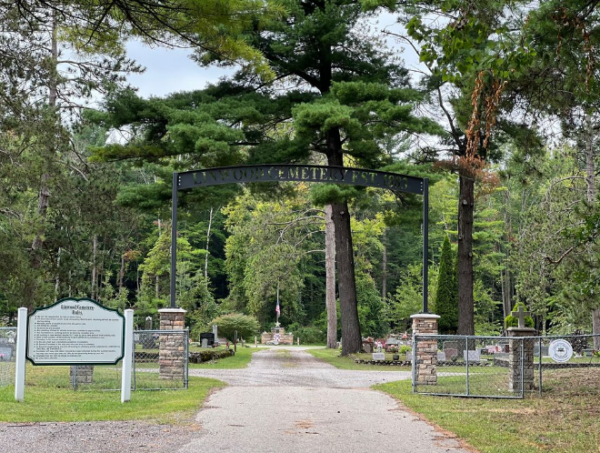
(466, 306)
(121, 273)
(44, 193)
(505, 278)
(351, 337)
(384, 269)
(94, 267)
(330, 301)
(210, 218)
(591, 197)
(57, 279)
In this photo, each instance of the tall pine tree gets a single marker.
(446, 298)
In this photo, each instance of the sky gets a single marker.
(171, 70)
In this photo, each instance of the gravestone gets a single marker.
(5, 353)
(450, 353)
(367, 347)
(148, 323)
(210, 339)
(441, 356)
(204, 343)
(451, 349)
(536, 350)
(378, 356)
(215, 329)
(471, 356)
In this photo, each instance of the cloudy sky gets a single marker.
(171, 70)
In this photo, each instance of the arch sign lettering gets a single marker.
(302, 173)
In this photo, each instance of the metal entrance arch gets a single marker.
(308, 173)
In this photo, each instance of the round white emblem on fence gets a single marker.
(560, 351)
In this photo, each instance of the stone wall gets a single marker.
(283, 337)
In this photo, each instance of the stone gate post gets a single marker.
(514, 359)
(171, 350)
(426, 350)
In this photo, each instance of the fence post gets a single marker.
(425, 359)
(520, 363)
(172, 350)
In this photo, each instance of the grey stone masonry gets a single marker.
(514, 359)
(426, 363)
(81, 374)
(171, 354)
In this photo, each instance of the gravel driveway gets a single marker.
(283, 402)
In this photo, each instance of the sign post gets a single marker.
(127, 358)
(20, 358)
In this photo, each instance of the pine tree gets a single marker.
(446, 299)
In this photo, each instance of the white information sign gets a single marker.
(560, 350)
(75, 332)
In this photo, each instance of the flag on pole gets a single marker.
(277, 310)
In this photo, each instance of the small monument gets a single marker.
(215, 334)
(277, 335)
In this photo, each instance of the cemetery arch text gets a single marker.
(308, 173)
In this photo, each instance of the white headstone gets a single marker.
(205, 343)
(471, 356)
(378, 356)
(215, 333)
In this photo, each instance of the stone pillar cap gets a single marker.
(172, 310)
(425, 316)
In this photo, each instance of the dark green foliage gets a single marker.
(513, 321)
(446, 298)
(308, 334)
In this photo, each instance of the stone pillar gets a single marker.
(426, 360)
(171, 357)
(514, 359)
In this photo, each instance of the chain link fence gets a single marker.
(8, 344)
(147, 372)
(501, 367)
(464, 366)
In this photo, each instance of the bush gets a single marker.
(405, 348)
(246, 326)
(512, 321)
(307, 334)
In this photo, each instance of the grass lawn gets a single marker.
(46, 403)
(333, 357)
(241, 359)
(564, 420)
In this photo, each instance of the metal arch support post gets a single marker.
(174, 239)
(425, 243)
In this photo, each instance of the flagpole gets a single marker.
(277, 309)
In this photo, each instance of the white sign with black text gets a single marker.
(75, 332)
